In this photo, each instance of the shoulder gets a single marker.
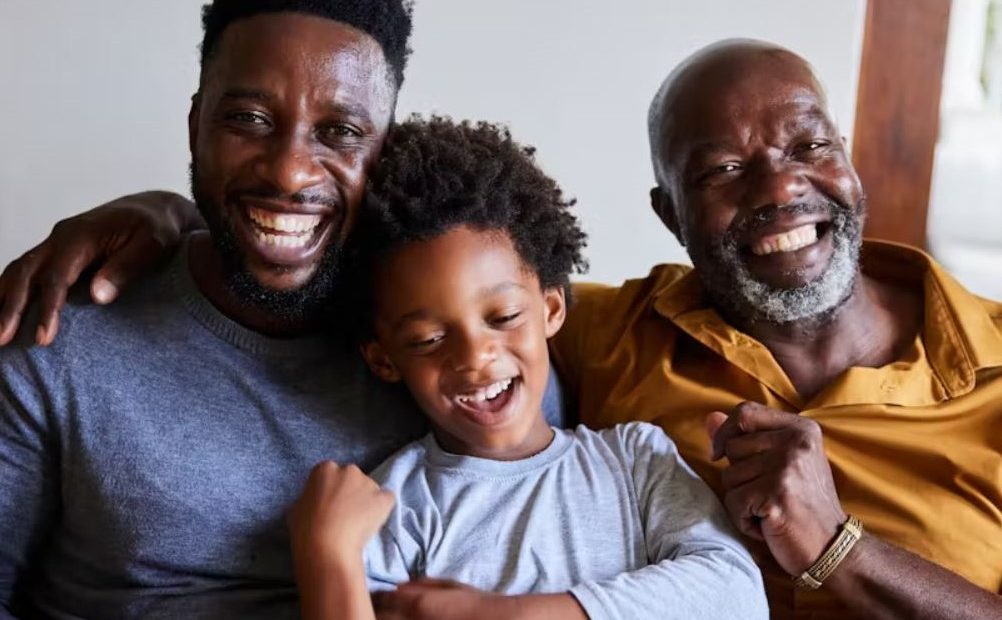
(600, 314)
(592, 297)
(89, 332)
(403, 468)
(628, 440)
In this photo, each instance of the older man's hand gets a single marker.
(778, 486)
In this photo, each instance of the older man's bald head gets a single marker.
(732, 67)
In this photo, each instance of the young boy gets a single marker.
(463, 265)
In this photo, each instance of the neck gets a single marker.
(872, 328)
(210, 277)
(534, 442)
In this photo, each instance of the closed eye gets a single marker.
(506, 319)
(425, 343)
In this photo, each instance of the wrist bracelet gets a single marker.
(849, 534)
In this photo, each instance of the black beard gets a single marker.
(301, 306)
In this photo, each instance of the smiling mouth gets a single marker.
(484, 403)
(789, 241)
(284, 230)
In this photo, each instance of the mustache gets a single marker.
(761, 218)
(306, 197)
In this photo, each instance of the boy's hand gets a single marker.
(338, 512)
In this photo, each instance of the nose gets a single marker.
(290, 164)
(775, 184)
(473, 351)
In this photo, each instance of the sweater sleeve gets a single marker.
(29, 489)
(698, 567)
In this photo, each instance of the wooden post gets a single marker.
(897, 113)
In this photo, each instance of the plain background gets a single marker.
(95, 96)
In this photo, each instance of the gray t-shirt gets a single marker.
(148, 457)
(616, 517)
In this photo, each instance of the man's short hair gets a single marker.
(386, 21)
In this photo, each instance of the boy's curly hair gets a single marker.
(436, 174)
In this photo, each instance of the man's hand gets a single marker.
(437, 599)
(127, 235)
(778, 487)
(338, 512)
(442, 599)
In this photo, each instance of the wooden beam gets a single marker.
(897, 113)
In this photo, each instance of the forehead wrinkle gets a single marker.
(351, 70)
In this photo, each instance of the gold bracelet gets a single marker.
(813, 577)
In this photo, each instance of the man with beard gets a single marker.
(148, 457)
(857, 378)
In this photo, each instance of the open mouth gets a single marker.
(791, 240)
(489, 404)
(284, 230)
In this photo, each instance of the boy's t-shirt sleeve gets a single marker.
(387, 562)
(698, 566)
(396, 554)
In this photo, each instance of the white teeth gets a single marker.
(285, 223)
(283, 241)
(486, 393)
(790, 241)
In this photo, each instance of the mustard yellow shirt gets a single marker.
(915, 446)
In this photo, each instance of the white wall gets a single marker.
(965, 206)
(95, 95)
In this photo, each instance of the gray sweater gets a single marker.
(148, 457)
(616, 517)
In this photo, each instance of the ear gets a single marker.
(555, 304)
(193, 112)
(379, 362)
(664, 207)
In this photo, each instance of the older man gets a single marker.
(859, 377)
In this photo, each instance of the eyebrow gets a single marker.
(246, 93)
(808, 119)
(422, 314)
(338, 108)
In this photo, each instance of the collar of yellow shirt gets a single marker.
(959, 337)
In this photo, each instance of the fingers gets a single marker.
(750, 504)
(122, 268)
(15, 290)
(748, 417)
(53, 283)
(744, 446)
(747, 470)
(394, 603)
(714, 420)
(434, 584)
